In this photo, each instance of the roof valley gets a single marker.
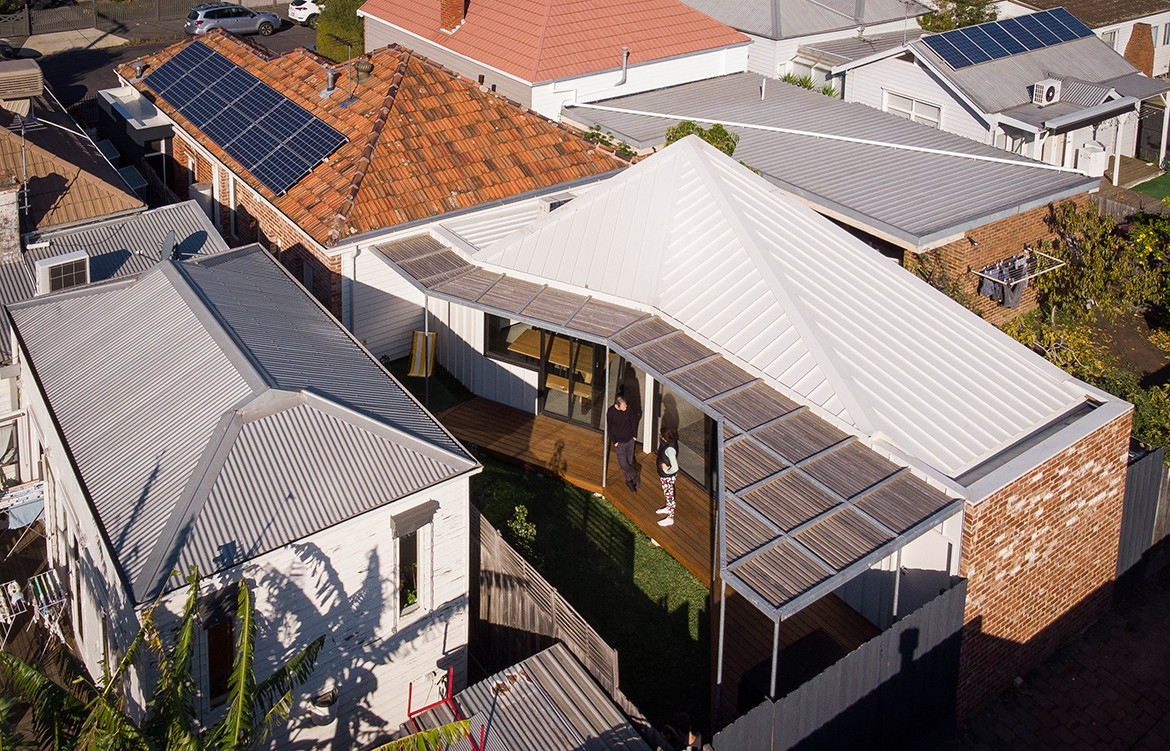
(341, 221)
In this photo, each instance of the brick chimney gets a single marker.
(9, 217)
(451, 14)
(1140, 50)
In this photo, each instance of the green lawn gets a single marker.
(641, 601)
(1159, 187)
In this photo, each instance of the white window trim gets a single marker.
(912, 114)
(424, 605)
(1109, 36)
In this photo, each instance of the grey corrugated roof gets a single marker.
(785, 19)
(913, 196)
(545, 703)
(852, 48)
(212, 444)
(999, 85)
(117, 247)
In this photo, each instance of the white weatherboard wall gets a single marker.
(868, 83)
(1125, 30)
(387, 309)
(343, 582)
(770, 57)
(461, 351)
(548, 97)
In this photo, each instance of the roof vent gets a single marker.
(1046, 92)
(62, 272)
(330, 83)
(139, 66)
(552, 203)
(363, 68)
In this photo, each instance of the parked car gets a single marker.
(234, 18)
(305, 12)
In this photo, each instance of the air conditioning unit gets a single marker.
(62, 272)
(551, 203)
(1046, 92)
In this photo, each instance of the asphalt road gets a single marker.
(76, 74)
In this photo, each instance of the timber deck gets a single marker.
(574, 453)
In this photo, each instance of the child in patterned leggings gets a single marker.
(667, 472)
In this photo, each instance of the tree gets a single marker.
(955, 14)
(339, 23)
(78, 712)
(716, 135)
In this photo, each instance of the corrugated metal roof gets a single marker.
(117, 247)
(545, 703)
(1004, 83)
(915, 196)
(213, 374)
(793, 298)
(856, 47)
(785, 19)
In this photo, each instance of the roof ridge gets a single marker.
(540, 37)
(337, 231)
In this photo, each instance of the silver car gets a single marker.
(234, 18)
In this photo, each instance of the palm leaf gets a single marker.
(234, 731)
(106, 724)
(171, 713)
(274, 695)
(57, 713)
(434, 739)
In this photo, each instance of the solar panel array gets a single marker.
(275, 139)
(961, 48)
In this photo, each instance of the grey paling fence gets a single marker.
(1144, 481)
(520, 614)
(115, 16)
(51, 16)
(1124, 204)
(14, 24)
(886, 694)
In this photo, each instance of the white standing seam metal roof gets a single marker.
(785, 19)
(236, 415)
(940, 185)
(786, 294)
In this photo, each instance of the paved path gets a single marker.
(1109, 689)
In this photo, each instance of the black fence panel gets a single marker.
(894, 690)
(1143, 490)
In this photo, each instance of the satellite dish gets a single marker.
(166, 251)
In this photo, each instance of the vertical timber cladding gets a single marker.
(1040, 557)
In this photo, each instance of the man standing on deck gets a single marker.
(623, 426)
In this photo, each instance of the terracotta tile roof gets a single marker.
(542, 40)
(422, 140)
(68, 179)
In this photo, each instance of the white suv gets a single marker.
(305, 12)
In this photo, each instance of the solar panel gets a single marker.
(972, 45)
(272, 137)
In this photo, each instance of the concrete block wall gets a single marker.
(996, 241)
(1040, 557)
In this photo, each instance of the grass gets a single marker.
(641, 601)
(1159, 187)
(445, 390)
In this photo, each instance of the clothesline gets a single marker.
(1042, 265)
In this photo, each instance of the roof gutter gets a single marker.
(1093, 113)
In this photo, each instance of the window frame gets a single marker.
(912, 111)
(417, 524)
(1110, 37)
(492, 330)
(217, 617)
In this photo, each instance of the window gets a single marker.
(232, 206)
(9, 455)
(307, 275)
(408, 572)
(913, 109)
(411, 530)
(217, 614)
(66, 275)
(512, 341)
(1155, 35)
(1110, 38)
(1166, 35)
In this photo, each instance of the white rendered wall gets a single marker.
(547, 98)
(868, 83)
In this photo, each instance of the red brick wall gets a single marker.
(1040, 557)
(1140, 50)
(997, 241)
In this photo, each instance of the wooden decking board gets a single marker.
(411, 247)
(643, 332)
(901, 503)
(470, 285)
(850, 469)
(554, 305)
(798, 437)
(710, 378)
(510, 294)
(574, 453)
